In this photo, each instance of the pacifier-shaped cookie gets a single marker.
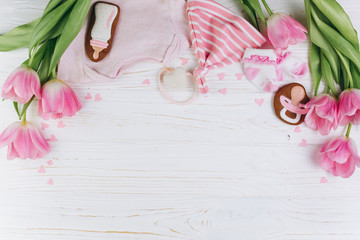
(289, 102)
(101, 30)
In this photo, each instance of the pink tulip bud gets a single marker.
(58, 100)
(323, 114)
(339, 156)
(21, 85)
(24, 140)
(283, 31)
(349, 107)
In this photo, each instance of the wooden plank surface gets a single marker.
(133, 166)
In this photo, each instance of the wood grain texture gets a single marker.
(133, 166)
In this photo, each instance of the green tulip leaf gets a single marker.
(339, 42)
(338, 17)
(255, 5)
(45, 65)
(16, 106)
(345, 68)
(308, 13)
(59, 28)
(319, 40)
(17, 38)
(315, 67)
(48, 22)
(355, 75)
(52, 5)
(321, 15)
(251, 13)
(38, 57)
(73, 26)
(327, 73)
(344, 76)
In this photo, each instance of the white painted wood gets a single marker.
(135, 167)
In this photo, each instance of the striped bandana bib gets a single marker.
(219, 37)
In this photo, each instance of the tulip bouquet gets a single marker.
(335, 58)
(47, 39)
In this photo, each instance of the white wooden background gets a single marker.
(133, 166)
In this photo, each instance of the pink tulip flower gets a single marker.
(24, 140)
(339, 156)
(21, 85)
(283, 31)
(58, 100)
(323, 114)
(349, 107)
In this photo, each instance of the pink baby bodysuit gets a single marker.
(148, 30)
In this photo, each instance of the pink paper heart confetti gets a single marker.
(52, 138)
(61, 124)
(41, 169)
(98, 98)
(297, 130)
(259, 102)
(88, 96)
(223, 91)
(50, 163)
(184, 61)
(221, 76)
(239, 76)
(44, 126)
(146, 82)
(50, 181)
(323, 180)
(303, 143)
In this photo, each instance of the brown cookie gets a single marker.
(105, 50)
(289, 103)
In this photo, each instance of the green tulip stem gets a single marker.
(31, 59)
(348, 130)
(33, 54)
(54, 76)
(327, 90)
(267, 7)
(351, 81)
(24, 109)
(24, 117)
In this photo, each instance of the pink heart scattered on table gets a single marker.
(323, 180)
(146, 82)
(61, 124)
(221, 76)
(50, 181)
(50, 162)
(41, 169)
(239, 76)
(88, 96)
(44, 126)
(259, 101)
(297, 129)
(223, 91)
(184, 61)
(98, 98)
(303, 143)
(52, 139)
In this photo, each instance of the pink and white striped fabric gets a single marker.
(219, 37)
